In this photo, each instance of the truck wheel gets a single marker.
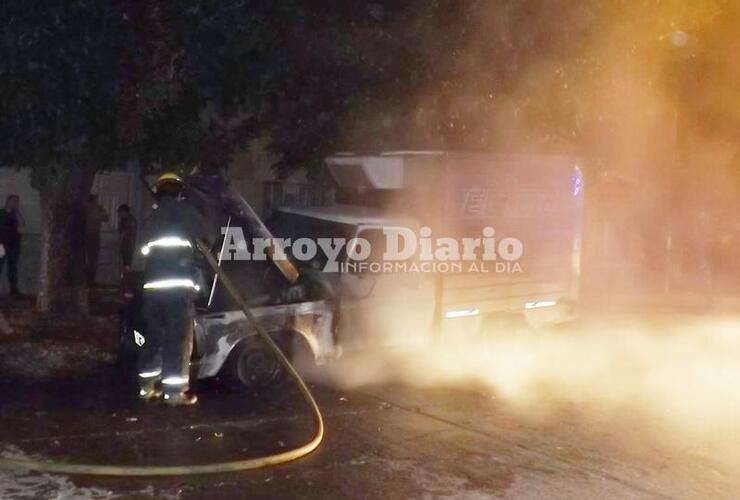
(253, 367)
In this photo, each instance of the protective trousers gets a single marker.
(168, 340)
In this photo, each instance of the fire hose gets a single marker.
(213, 468)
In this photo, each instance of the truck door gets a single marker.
(386, 302)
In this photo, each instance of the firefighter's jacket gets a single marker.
(166, 248)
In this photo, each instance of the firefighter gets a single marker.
(167, 255)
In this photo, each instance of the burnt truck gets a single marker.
(293, 310)
(530, 204)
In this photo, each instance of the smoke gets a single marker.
(677, 377)
(646, 93)
(645, 89)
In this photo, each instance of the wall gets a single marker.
(250, 171)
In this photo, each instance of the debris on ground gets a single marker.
(36, 348)
(49, 360)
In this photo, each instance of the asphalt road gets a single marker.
(395, 437)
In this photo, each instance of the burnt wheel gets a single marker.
(254, 367)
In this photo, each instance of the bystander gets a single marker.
(10, 238)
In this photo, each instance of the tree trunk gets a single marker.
(62, 279)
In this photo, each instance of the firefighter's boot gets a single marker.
(149, 389)
(180, 399)
(176, 392)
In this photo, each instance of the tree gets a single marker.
(59, 101)
(88, 86)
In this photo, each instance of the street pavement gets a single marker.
(388, 437)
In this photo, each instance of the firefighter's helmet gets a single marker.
(169, 183)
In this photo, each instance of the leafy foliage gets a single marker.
(186, 81)
(61, 78)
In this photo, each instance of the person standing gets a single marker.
(126, 236)
(167, 256)
(10, 238)
(95, 217)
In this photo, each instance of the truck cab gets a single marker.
(376, 306)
